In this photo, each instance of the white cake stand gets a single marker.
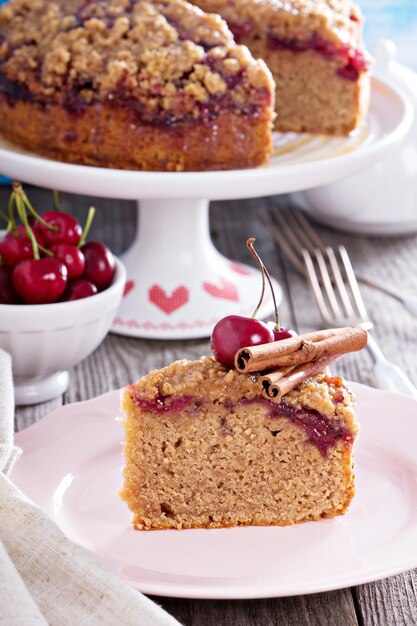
(178, 284)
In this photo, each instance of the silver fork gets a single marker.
(295, 231)
(339, 300)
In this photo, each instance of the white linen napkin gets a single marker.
(44, 578)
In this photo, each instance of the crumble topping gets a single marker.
(165, 54)
(208, 379)
(337, 20)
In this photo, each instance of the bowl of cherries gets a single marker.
(58, 296)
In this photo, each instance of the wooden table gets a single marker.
(120, 360)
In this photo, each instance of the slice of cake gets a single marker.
(207, 446)
(134, 84)
(315, 52)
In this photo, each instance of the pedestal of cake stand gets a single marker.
(178, 284)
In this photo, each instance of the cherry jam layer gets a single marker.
(12, 90)
(354, 60)
(320, 431)
(166, 404)
(207, 112)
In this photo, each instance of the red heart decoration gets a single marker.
(128, 287)
(228, 291)
(168, 304)
(239, 269)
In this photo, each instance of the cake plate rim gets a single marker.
(370, 542)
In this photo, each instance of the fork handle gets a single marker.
(389, 376)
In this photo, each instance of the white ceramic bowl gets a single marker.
(45, 340)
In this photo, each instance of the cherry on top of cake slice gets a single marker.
(166, 59)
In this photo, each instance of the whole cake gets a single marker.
(315, 52)
(267, 442)
(134, 84)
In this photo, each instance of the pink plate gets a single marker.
(71, 467)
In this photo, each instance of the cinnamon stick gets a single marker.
(301, 349)
(277, 383)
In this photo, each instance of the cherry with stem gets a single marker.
(24, 219)
(265, 274)
(90, 216)
(19, 193)
(279, 332)
(234, 332)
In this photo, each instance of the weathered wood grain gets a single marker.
(389, 602)
(120, 360)
(323, 609)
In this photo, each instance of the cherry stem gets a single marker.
(249, 245)
(45, 250)
(24, 219)
(87, 225)
(11, 222)
(265, 274)
(57, 200)
(18, 190)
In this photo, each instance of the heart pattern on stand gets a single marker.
(239, 269)
(168, 303)
(130, 284)
(227, 290)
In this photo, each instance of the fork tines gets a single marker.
(294, 232)
(334, 287)
(329, 271)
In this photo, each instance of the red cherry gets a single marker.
(234, 332)
(79, 288)
(15, 249)
(283, 333)
(67, 229)
(22, 231)
(100, 265)
(72, 258)
(7, 292)
(40, 281)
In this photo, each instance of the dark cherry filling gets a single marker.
(240, 31)
(320, 431)
(208, 111)
(353, 69)
(165, 404)
(70, 136)
(14, 91)
(354, 59)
